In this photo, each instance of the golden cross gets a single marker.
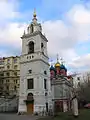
(57, 57)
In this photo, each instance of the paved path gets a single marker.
(16, 117)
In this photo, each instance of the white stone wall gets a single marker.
(61, 89)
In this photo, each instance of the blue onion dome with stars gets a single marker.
(63, 67)
(52, 68)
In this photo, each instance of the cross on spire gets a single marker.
(57, 57)
(62, 61)
(34, 14)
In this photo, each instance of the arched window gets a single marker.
(31, 28)
(31, 47)
(15, 87)
(30, 96)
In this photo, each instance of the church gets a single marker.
(37, 92)
(61, 87)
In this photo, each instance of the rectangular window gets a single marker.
(8, 74)
(7, 87)
(15, 60)
(15, 88)
(8, 67)
(15, 67)
(16, 81)
(30, 84)
(45, 84)
(15, 73)
(8, 60)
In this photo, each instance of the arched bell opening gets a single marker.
(31, 47)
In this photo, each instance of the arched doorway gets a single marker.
(58, 106)
(30, 103)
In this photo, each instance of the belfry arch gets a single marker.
(31, 47)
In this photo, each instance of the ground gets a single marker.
(16, 117)
(83, 115)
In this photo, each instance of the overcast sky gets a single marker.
(66, 24)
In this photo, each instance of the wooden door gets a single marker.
(30, 108)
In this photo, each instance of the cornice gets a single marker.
(34, 60)
(34, 53)
(34, 34)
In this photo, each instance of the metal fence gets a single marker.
(6, 109)
(9, 105)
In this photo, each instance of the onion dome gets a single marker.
(63, 67)
(57, 64)
(52, 68)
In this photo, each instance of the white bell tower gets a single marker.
(35, 88)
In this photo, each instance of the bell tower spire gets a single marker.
(34, 14)
(34, 26)
(57, 58)
(34, 20)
